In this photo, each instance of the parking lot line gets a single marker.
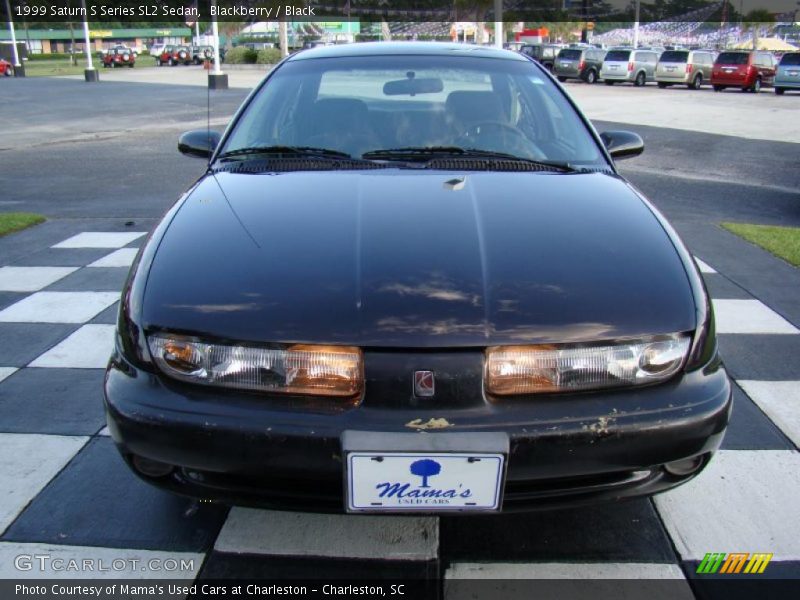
(749, 316)
(780, 400)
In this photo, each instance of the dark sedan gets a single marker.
(412, 280)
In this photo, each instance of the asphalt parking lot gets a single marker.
(101, 163)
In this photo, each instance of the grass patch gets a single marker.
(783, 242)
(17, 221)
(54, 67)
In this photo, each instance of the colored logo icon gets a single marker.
(425, 468)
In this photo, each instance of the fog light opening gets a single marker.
(151, 468)
(684, 467)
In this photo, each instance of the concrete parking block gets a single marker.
(98, 501)
(119, 258)
(749, 316)
(6, 372)
(781, 401)
(338, 536)
(137, 563)
(89, 347)
(745, 501)
(100, 239)
(27, 464)
(58, 307)
(30, 279)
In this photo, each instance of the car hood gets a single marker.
(416, 259)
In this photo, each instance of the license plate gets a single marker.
(566, 64)
(794, 73)
(613, 67)
(729, 70)
(670, 69)
(412, 481)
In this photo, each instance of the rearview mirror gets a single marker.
(622, 144)
(413, 86)
(199, 143)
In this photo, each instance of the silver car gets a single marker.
(635, 66)
(787, 77)
(691, 68)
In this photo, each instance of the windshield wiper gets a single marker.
(305, 151)
(427, 153)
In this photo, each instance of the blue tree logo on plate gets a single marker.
(425, 468)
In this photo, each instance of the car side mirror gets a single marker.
(622, 144)
(199, 143)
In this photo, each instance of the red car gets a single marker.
(119, 57)
(174, 55)
(749, 71)
(6, 68)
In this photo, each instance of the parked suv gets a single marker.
(175, 55)
(202, 53)
(787, 76)
(542, 53)
(579, 63)
(691, 68)
(119, 56)
(636, 66)
(749, 71)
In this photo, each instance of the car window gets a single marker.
(620, 55)
(732, 58)
(674, 56)
(792, 59)
(362, 104)
(570, 54)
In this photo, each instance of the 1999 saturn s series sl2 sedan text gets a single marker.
(411, 279)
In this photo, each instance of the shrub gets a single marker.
(268, 56)
(241, 56)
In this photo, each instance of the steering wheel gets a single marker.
(500, 137)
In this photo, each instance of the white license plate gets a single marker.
(670, 69)
(729, 70)
(794, 73)
(412, 481)
(613, 67)
(566, 64)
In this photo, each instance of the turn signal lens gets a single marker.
(514, 370)
(298, 369)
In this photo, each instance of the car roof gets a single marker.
(406, 49)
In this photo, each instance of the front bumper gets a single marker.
(247, 449)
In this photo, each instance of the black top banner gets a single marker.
(530, 12)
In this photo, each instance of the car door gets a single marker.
(651, 59)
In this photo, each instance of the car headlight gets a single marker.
(561, 368)
(295, 369)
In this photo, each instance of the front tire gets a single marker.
(756, 86)
(562, 79)
(609, 82)
(696, 83)
(640, 80)
(662, 86)
(778, 91)
(718, 88)
(591, 77)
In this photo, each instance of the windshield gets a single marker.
(674, 56)
(359, 105)
(620, 55)
(792, 59)
(732, 58)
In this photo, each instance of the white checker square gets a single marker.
(749, 316)
(31, 279)
(780, 400)
(704, 267)
(89, 347)
(137, 562)
(58, 307)
(6, 372)
(104, 431)
(278, 533)
(119, 258)
(745, 499)
(100, 239)
(27, 463)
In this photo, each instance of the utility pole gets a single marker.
(498, 23)
(636, 26)
(19, 70)
(90, 74)
(283, 39)
(585, 17)
(217, 80)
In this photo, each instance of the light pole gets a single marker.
(90, 74)
(498, 23)
(217, 80)
(19, 70)
(636, 27)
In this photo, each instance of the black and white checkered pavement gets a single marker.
(65, 491)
